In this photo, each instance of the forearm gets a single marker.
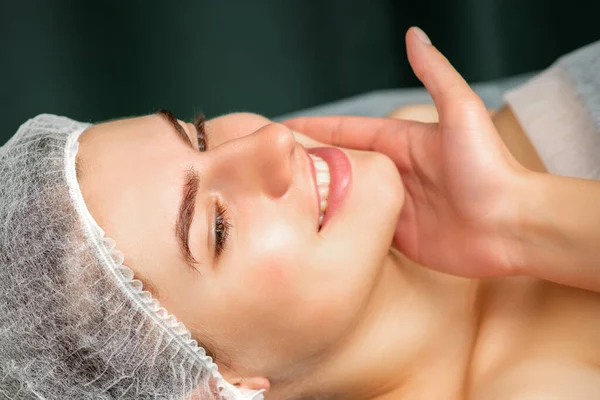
(557, 230)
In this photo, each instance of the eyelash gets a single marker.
(201, 132)
(222, 224)
(222, 229)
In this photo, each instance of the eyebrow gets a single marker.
(187, 208)
(185, 216)
(169, 117)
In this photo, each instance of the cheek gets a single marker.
(291, 286)
(275, 274)
(277, 254)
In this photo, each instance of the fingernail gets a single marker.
(422, 35)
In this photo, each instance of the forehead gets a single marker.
(124, 129)
(132, 173)
(127, 144)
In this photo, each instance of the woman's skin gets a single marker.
(283, 301)
(336, 313)
(526, 376)
(470, 208)
(512, 134)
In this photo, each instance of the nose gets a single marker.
(260, 161)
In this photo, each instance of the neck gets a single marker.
(415, 340)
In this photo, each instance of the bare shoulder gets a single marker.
(544, 380)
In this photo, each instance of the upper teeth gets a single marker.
(323, 180)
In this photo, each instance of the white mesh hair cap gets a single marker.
(74, 323)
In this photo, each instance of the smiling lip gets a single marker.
(341, 175)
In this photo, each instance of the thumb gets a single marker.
(453, 97)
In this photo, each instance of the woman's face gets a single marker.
(261, 285)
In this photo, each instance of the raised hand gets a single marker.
(460, 179)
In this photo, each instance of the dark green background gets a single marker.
(95, 60)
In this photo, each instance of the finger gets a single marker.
(450, 92)
(361, 133)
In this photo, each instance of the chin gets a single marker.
(378, 199)
(360, 240)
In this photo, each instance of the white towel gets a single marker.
(559, 110)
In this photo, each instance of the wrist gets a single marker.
(554, 233)
(523, 225)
